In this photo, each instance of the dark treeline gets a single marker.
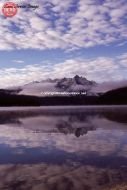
(19, 100)
(118, 97)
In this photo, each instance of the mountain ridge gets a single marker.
(75, 84)
(49, 87)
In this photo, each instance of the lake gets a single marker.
(63, 148)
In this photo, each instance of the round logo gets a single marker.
(9, 9)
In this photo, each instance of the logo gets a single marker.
(9, 9)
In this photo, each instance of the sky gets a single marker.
(63, 39)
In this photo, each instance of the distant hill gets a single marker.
(117, 96)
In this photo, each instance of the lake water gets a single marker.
(63, 148)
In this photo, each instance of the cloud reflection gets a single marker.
(96, 134)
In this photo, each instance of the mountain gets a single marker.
(49, 87)
(114, 97)
(75, 84)
(44, 93)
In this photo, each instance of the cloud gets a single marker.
(18, 61)
(106, 86)
(123, 60)
(101, 69)
(67, 25)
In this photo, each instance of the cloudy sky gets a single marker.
(64, 38)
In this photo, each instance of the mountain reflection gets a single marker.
(78, 125)
(84, 149)
(67, 128)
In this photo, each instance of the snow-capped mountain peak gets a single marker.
(74, 84)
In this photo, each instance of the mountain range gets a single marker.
(43, 92)
(39, 88)
(76, 84)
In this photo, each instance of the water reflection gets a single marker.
(84, 149)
